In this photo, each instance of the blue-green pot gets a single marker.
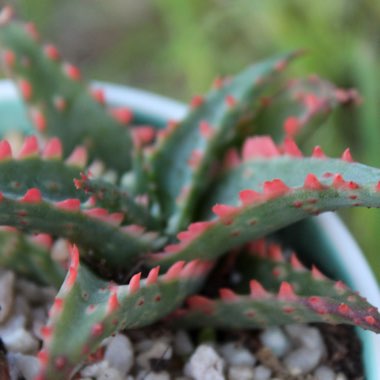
(323, 240)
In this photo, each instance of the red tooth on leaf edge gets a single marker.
(290, 147)
(122, 114)
(26, 89)
(317, 274)
(78, 157)
(72, 71)
(274, 253)
(275, 188)
(286, 292)
(9, 58)
(43, 239)
(113, 303)
(51, 52)
(230, 101)
(295, 263)
(99, 95)
(31, 29)
(258, 147)
(346, 156)
(292, 125)
(228, 294)
(205, 129)
(5, 150)
(29, 148)
(190, 269)
(74, 267)
(38, 119)
(69, 204)
(318, 152)
(248, 197)
(201, 303)
(312, 183)
(143, 135)
(134, 283)
(53, 149)
(257, 291)
(174, 271)
(152, 276)
(224, 211)
(196, 101)
(32, 196)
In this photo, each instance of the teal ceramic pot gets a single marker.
(323, 240)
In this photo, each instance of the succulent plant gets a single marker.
(172, 208)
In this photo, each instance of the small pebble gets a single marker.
(302, 360)
(239, 372)
(7, 282)
(306, 336)
(20, 340)
(95, 369)
(119, 354)
(275, 339)
(27, 365)
(110, 374)
(261, 373)
(205, 364)
(324, 373)
(182, 343)
(150, 375)
(235, 354)
(159, 350)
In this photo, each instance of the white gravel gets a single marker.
(24, 306)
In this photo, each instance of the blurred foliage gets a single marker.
(176, 47)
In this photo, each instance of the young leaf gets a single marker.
(182, 159)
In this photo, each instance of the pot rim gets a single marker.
(357, 272)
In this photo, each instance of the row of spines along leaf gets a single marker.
(322, 300)
(314, 194)
(108, 309)
(27, 201)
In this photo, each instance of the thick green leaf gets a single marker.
(299, 187)
(88, 310)
(183, 158)
(59, 104)
(301, 296)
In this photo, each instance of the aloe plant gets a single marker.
(149, 232)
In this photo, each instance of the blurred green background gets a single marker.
(177, 47)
